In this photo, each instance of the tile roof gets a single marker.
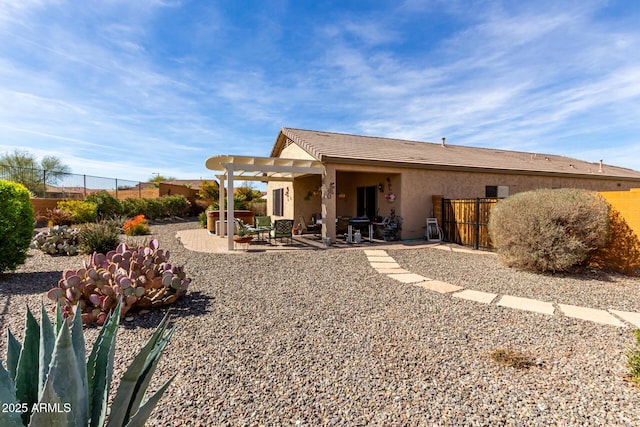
(345, 148)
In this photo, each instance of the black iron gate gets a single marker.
(465, 222)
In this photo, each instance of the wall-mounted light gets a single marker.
(381, 187)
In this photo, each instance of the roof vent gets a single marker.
(600, 169)
(443, 138)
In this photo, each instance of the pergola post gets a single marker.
(230, 209)
(329, 204)
(221, 211)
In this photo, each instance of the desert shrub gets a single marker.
(549, 230)
(107, 205)
(80, 210)
(99, 237)
(58, 217)
(174, 205)
(58, 240)
(136, 226)
(16, 224)
(622, 252)
(150, 208)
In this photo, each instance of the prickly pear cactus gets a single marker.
(60, 239)
(141, 275)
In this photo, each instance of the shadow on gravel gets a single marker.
(192, 304)
(28, 283)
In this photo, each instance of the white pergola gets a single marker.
(262, 169)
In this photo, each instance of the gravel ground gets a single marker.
(320, 338)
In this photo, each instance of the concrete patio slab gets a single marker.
(380, 259)
(391, 270)
(375, 252)
(378, 265)
(629, 316)
(590, 314)
(438, 286)
(477, 296)
(408, 277)
(526, 304)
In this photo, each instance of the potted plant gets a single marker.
(242, 235)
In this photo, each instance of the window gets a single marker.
(496, 191)
(278, 202)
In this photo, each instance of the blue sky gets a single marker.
(127, 89)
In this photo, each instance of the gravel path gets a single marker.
(320, 338)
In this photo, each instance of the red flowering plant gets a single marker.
(136, 226)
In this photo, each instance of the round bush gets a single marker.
(16, 224)
(107, 205)
(549, 230)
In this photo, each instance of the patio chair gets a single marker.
(282, 228)
(309, 228)
(248, 229)
(262, 225)
(342, 225)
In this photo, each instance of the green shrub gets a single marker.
(150, 208)
(80, 210)
(16, 224)
(174, 206)
(107, 205)
(50, 369)
(100, 237)
(633, 359)
(549, 230)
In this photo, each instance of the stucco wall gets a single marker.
(294, 151)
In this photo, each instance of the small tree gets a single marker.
(16, 224)
(23, 167)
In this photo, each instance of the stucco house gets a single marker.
(341, 175)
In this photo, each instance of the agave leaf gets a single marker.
(150, 367)
(65, 379)
(47, 342)
(100, 368)
(130, 381)
(50, 418)
(77, 339)
(8, 395)
(141, 416)
(14, 348)
(26, 380)
(59, 318)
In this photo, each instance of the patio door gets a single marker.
(366, 201)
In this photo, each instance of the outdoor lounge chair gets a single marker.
(282, 228)
(250, 231)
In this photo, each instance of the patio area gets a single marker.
(200, 240)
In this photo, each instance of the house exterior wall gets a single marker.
(413, 187)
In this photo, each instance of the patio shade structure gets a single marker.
(262, 169)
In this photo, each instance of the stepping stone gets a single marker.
(629, 316)
(391, 270)
(378, 265)
(438, 286)
(375, 252)
(380, 259)
(408, 277)
(591, 314)
(526, 304)
(477, 296)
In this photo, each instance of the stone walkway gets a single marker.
(384, 264)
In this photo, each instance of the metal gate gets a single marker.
(465, 222)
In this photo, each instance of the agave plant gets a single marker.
(48, 383)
